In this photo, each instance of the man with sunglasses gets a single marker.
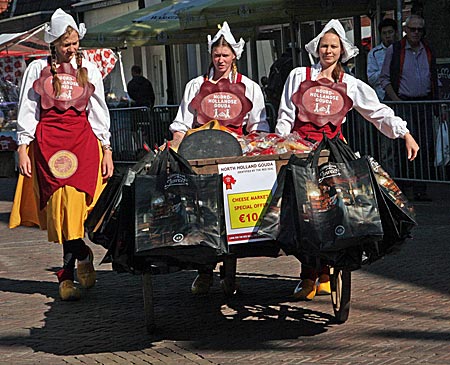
(409, 69)
(409, 73)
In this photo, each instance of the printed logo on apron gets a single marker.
(322, 101)
(70, 89)
(72, 95)
(223, 101)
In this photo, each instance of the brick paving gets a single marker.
(400, 311)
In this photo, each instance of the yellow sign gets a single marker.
(245, 208)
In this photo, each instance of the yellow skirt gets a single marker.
(65, 212)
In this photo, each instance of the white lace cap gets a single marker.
(225, 31)
(350, 50)
(58, 25)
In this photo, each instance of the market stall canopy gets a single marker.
(251, 13)
(130, 30)
(271, 12)
(29, 43)
(171, 12)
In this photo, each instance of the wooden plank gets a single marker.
(209, 165)
(238, 159)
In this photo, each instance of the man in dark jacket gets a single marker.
(279, 71)
(140, 89)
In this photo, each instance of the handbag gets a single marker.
(442, 153)
(178, 215)
(397, 214)
(110, 223)
(336, 205)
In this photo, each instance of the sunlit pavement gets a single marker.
(400, 308)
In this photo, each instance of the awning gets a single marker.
(235, 12)
(126, 31)
(271, 12)
(171, 12)
(29, 43)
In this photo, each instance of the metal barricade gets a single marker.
(424, 118)
(131, 128)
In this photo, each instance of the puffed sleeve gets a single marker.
(286, 111)
(256, 119)
(185, 118)
(29, 104)
(365, 101)
(97, 110)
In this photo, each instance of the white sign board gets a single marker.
(246, 188)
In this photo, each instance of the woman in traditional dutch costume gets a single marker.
(222, 77)
(224, 52)
(64, 153)
(316, 99)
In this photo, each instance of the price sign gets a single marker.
(247, 190)
(245, 208)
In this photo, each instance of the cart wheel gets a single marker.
(340, 282)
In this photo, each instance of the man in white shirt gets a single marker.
(375, 59)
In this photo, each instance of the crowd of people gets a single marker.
(65, 157)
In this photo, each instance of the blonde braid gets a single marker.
(234, 71)
(56, 82)
(82, 76)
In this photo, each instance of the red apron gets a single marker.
(222, 101)
(66, 149)
(321, 107)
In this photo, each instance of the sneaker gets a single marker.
(85, 272)
(68, 291)
(201, 284)
(305, 290)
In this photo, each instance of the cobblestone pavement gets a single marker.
(400, 309)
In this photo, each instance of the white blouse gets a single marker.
(29, 103)
(254, 120)
(364, 98)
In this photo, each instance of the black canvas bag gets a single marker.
(336, 204)
(178, 214)
(278, 219)
(397, 214)
(110, 223)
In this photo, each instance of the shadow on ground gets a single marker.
(109, 319)
(424, 259)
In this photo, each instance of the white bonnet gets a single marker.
(58, 25)
(350, 50)
(226, 33)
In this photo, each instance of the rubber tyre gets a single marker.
(340, 282)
